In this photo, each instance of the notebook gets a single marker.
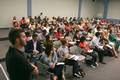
(77, 57)
(60, 63)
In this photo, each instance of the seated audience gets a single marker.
(94, 38)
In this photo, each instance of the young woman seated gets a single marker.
(50, 58)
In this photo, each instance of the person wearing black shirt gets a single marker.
(17, 65)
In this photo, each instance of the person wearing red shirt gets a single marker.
(68, 28)
(23, 23)
(58, 34)
(88, 51)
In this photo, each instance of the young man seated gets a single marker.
(98, 47)
(33, 47)
(64, 53)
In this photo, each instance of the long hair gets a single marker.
(48, 49)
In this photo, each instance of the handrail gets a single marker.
(4, 72)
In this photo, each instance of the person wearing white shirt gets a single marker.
(61, 25)
(98, 47)
(47, 28)
(34, 47)
(64, 53)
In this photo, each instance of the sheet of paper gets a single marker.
(77, 57)
(60, 63)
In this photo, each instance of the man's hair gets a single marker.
(44, 31)
(47, 37)
(48, 48)
(14, 34)
(97, 34)
(63, 41)
(34, 35)
(28, 34)
(82, 39)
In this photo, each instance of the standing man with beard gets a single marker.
(17, 65)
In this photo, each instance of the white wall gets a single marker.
(99, 8)
(10, 8)
(114, 9)
(55, 7)
(88, 8)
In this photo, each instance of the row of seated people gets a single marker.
(91, 41)
(73, 25)
(52, 55)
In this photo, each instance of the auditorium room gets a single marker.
(59, 40)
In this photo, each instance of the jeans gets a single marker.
(100, 54)
(74, 64)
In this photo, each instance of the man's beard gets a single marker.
(22, 42)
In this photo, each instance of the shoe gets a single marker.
(77, 75)
(102, 62)
(82, 74)
(96, 64)
(92, 66)
(116, 56)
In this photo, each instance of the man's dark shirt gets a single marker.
(18, 67)
(30, 47)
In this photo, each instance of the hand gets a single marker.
(54, 49)
(35, 70)
(52, 66)
(35, 52)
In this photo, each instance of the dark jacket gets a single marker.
(30, 47)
